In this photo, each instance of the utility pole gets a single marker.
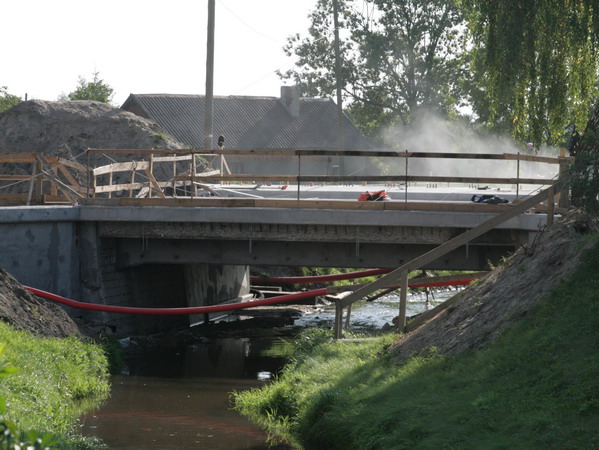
(209, 99)
(340, 128)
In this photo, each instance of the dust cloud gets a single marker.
(435, 135)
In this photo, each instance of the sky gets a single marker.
(146, 46)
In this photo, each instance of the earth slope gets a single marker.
(482, 312)
(24, 311)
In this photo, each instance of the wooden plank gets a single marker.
(170, 202)
(121, 167)
(118, 187)
(388, 152)
(32, 183)
(17, 158)
(72, 164)
(154, 184)
(445, 248)
(162, 159)
(294, 179)
(412, 282)
(13, 198)
(74, 184)
(533, 158)
(55, 199)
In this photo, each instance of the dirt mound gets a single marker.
(482, 312)
(25, 311)
(66, 129)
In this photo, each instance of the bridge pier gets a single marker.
(209, 284)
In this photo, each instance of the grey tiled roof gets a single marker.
(248, 122)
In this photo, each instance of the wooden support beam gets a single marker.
(443, 249)
(403, 301)
(68, 192)
(338, 325)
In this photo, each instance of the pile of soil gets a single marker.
(24, 311)
(479, 314)
(68, 128)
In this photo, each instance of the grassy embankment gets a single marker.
(535, 387)
(57, 380)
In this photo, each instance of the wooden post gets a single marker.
(53, 187)
(131, 185)
(192, 187)
(110, 183)
(348, 317)
(299, 173)
(564, 197)
(403, 299)
(39, 182)
(550, 206)
(338, 320)
(518, 177)
(89, 175)
(406, 193)
(32, 183)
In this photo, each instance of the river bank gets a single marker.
(513, 363)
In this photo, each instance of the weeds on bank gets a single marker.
(56, 381)
(535, 387)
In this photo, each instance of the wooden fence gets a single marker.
(172, 175)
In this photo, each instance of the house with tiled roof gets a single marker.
(248, 122)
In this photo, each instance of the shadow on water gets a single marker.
(180, 398)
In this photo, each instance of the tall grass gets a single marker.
(535, 387)
(56, 380)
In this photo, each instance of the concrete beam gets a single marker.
(131, 252)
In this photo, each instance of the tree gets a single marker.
(398, 58)
(535, 65)
(92, 90)
(7, 100)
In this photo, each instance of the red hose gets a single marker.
(320, 278)
(174, 311)
(215, 308)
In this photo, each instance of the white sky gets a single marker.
(146, 46)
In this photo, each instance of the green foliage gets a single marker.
(583, 179)
(7, 100)
(534, 66)
(535, 387)
(92, 90)
(398, 58)
(57, 380)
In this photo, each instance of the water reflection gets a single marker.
(180, 398)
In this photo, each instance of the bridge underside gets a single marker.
(134, 252)
(305, 245)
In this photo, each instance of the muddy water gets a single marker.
(181, 399)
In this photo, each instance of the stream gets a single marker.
(181, 399)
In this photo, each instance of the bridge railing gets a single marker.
(151, 174)
(186, 183)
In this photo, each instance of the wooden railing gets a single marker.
(170, 174)
(40, 179)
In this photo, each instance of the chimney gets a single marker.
(290, 100)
